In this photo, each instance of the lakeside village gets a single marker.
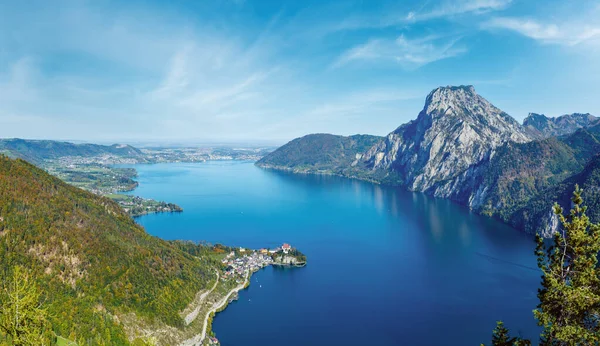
(244, 261)
(240, 263)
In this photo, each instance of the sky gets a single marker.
(269, 71)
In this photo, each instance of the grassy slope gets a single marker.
(92, 260)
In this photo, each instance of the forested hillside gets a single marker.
(528, 214)
(321, 152)
(90, 259)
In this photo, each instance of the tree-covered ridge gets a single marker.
(323, 153)
(519, 170)
(527, 215)
(90, 258)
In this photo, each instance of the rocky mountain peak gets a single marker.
(535, 118)
(447, 99)
(457, 129)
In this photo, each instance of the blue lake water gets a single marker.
(385, 266)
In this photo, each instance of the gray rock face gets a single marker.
(542, 126)
(287, 260)
(455, 132)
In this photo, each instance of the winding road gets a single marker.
(192, 315)
(198, 339)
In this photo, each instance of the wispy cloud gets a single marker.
(410, 54)
(569, 34)
(239, 69)
(430, 10)
(456, 8)
(182, 81)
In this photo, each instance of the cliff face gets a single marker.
(456, 131)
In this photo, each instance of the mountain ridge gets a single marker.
(542, 126)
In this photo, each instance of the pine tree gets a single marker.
(501, 337)
(569, 308)
(22, 320)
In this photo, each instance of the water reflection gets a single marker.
(442, 221)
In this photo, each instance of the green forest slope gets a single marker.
(91, 260)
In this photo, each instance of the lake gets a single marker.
(385, 266)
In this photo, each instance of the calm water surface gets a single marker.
(386, 267)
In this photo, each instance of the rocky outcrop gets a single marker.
(455, 132)
(289, 260)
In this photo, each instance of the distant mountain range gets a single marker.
(463, 148)
(37, 151)
(41, 152)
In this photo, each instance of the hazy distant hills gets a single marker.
(464, 148)
(37, 151)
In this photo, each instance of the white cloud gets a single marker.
(426, 12)
(409, 54)
(568, 34)
(455, 8)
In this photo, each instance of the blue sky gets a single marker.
(261, 70)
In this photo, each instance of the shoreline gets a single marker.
(384, 184)
(222, 303)
(220, 306)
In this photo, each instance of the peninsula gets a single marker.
(233, 274)
(238, 265)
